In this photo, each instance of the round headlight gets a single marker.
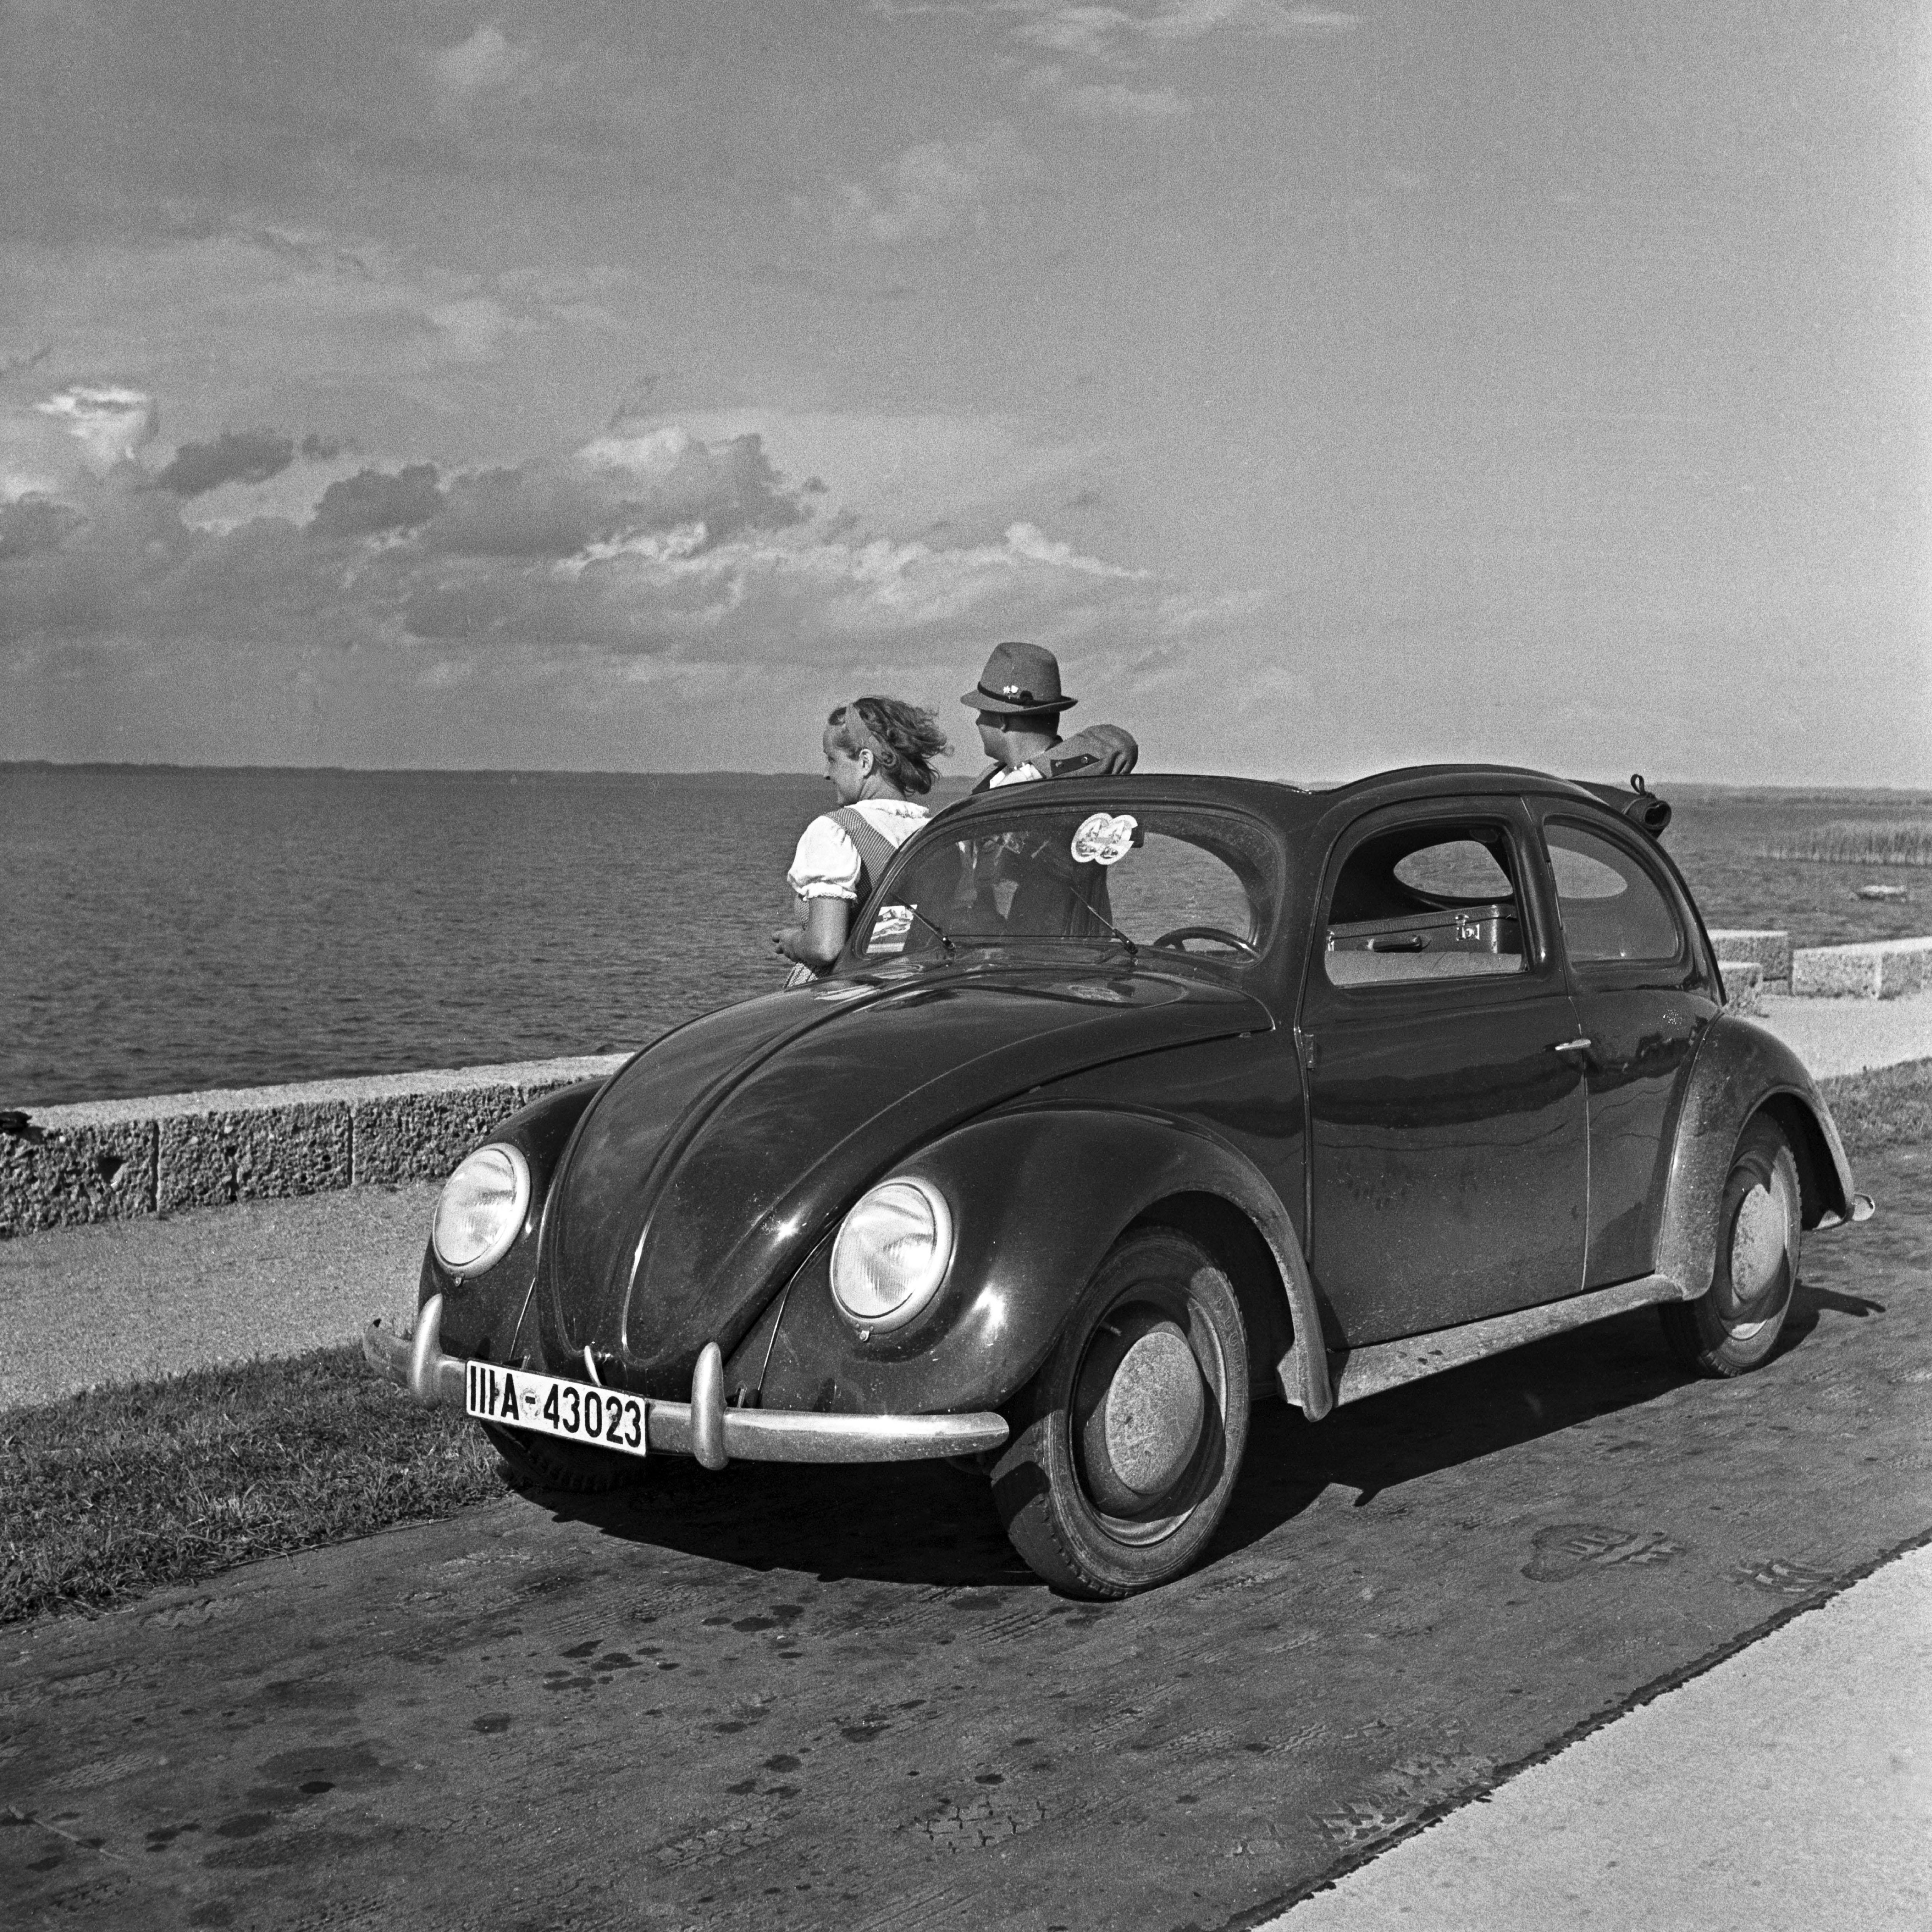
(892, 1254)
(481, 1209)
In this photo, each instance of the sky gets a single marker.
(619, 386)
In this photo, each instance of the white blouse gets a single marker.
(826, 865)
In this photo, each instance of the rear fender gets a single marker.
(1742, 1069)
(1038, 1194)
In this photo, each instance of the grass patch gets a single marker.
(1862, 842)
(1890, 1106)
(120, 1490)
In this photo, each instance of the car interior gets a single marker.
(1434, 901)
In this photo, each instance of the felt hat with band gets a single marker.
(1019, 678)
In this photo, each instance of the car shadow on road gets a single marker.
(921, 1522)
(1460, 1417)
(931, 1524)
(1619, 1367)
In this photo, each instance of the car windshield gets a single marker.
(1178, 877)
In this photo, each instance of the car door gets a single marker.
(1643, 999)
(1448, 1142)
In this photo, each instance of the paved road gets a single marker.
(832, 1698)
(124, 1300)
(1834, 1037)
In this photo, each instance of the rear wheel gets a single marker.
(543, 1462)
(1128, 1442)
(1734, 1327)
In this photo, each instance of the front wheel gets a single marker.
(1127, 1444)
(1733, 1327)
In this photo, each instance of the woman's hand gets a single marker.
(785, 941)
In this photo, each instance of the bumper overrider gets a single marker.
(703, 1427)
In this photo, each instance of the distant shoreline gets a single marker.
(1690, 790)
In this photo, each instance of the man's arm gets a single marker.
(1100, 752)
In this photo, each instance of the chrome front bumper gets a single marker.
(703, 1427)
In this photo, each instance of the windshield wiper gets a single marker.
(1133, 951)
(938, 932)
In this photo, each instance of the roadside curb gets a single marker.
(1480, 1789)
(111, 1160)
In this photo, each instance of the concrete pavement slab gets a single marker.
(120, 1300)
(1790, 1786)
(1835, 1037)
(833, 1697)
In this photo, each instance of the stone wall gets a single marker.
(1880, 969)
(1768, 949)
(103, 1160)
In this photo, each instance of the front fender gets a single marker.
(1039, 1193)
(1741, 1069)
(481, 1316)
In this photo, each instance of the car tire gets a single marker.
(541, 1462)
(1127, 1445)
(1733, 1327)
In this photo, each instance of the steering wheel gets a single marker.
(1219, 933)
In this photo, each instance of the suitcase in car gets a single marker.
(1444, 942)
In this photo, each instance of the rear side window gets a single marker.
(1426, 902)
(1611, 908)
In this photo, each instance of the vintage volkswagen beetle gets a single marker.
(1130, 1101)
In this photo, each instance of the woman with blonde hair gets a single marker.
(878, 760)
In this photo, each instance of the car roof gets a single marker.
(1290, 805)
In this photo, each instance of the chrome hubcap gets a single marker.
(1757, 1244)
(1140, 1413)
(1152, 1413)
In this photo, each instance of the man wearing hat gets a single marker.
(1018, 702)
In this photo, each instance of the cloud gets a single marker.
(373, 501)
(14, 365)
(261, 301)
(1109, 33)
(108, 422)
(250, 456)
(1107, 100)
(649, 559)
(32, 523)
(385, 554)
(938, 187)
(615, 489)
(483, 64)
(1123, 38)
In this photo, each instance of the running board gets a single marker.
(1357, 1372)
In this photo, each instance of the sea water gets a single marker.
(164, 928)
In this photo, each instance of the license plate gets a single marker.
(574, 1411)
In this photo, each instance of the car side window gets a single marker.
(1610, 907)
(1426, 902)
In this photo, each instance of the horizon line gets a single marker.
(720, 772)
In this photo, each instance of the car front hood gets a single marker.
(706, 1170)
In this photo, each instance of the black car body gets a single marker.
(1164, 1094)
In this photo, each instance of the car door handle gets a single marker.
(1581, 1045)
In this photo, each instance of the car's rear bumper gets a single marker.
(703, 1427)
